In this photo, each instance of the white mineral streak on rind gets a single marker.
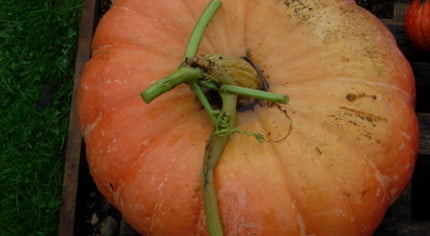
(393, 192)
(116, 195)
(125, 9)
(383, 180)
(406, 135)
(402, 146)
(302, 226)
(145, 143)
(102, 48)
(91, 126)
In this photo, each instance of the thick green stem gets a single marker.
(199, 29)
(181, 75)
(203, 100)
(229, 102)
(247, 92)
(224, 120)
(214, 150)
(258, 94)
(193, 47)
(185, 74)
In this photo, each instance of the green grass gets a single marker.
(38, 42)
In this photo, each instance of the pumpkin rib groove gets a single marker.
(170, 167)
(292, 27)
(207, 45)
(146, 17)
(215, 28)
(304, 21)
(295, 65)
(424, 24)
(112, 119)
(332, 179)
(403, 141)
(206, 42)
(273, 146)
(239, 27)
(336, 138)
(220, 28)
(96, 78)
(299, 210)
(382, 89)
(342, 188)
(383, 86)
(417, 23)
(273, 149)
(132, 23)
(146, 52)
(185, 21)
(225, 31)
(183, 93)
(236, 31)
(284, 50)
(171, 128)
(238, 188)
(137, 48)
(419, 16)
(257, 32)
(194, 14)
(333, 67)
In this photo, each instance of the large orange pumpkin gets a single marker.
(417, 23)
(334, 158)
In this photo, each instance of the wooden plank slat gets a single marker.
(401, 227)
(422, 74)
(74, 140)
(424, 121)
(399, 14)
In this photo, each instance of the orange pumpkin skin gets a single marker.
(334, 158)
(417, 23)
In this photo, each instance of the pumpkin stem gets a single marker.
(247, 92)
(199, 29)
(231, 77)
(204, 101)
(214, 149)
(179, 76)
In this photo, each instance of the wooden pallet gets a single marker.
(401, 217)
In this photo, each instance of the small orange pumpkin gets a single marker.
(334, 158)
(417, 23)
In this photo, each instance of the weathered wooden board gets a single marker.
(74, 153)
